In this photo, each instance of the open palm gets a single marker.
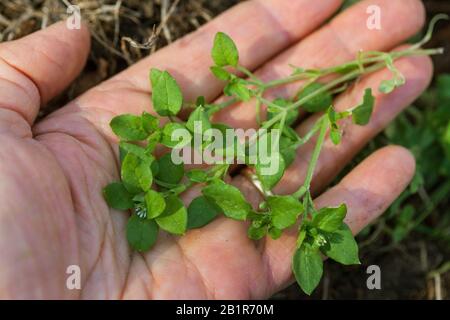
(52, 213)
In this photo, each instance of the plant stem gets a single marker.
(258, 107)
(352, 64)
(220, 106)
(218, 169)
(380, 63)
(311, 132)
(250, 75)
(227, 103)
(314, 158)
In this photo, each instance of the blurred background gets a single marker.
(410, 243)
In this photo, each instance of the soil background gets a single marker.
(125, 31)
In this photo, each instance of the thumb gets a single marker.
(37, 67)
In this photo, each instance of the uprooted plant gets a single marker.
(151, 187)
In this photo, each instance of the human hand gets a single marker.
(52, 213)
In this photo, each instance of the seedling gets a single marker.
(150, 187)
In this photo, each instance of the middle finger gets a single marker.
(335, 43)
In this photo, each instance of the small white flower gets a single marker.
(141, 211)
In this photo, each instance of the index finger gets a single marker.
(262, 28)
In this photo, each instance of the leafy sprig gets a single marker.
(151, 186)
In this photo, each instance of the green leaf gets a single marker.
(149, 122)
(136, 173)
(272, 111)
(141, 233)
(224, 51)
(443, 87)
(446, 135)
(145, 175)
(229, 199)
(117, 196)
(198, 116)
(362, 113)
(169, 172)
(288, 150)
(335, 131)
(318, 103)
(201, 211)
(406, 216)
(138, 151)
(155, 204)
(342, 246)
(284, 210)
(220, 73)
(330, 219)
(155, 168)
(228, 145)
(200, 102)
(259, 219)
(301, 237)
(290, 133)
(174, 218)
(183, 134)
(166, 94)
(128, 127)
(296, 70)
(275, 233)
(238, 88)
(333, 116)
(197, 175)
(387, 86)
(256, 233)
(289, 155)
(335, 136)
(307, 266)
(270, 180)
(153, 140)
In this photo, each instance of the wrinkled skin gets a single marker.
(52, 213)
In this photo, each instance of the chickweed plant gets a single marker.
(150, 187)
